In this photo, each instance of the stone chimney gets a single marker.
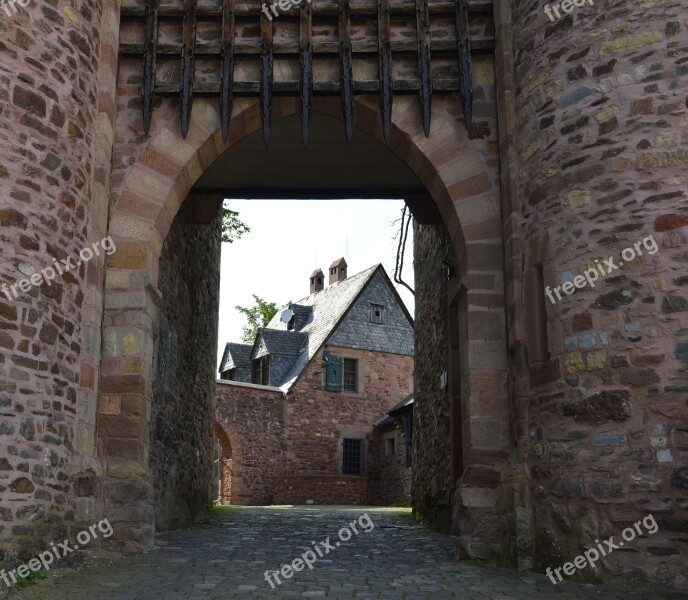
(317, 281)
(338, 270)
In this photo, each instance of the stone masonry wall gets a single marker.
(320, 489)
(317, 420)
(182, 434)
(602, 128)
(389, 477)
(432, 487)
(49, 60)
(272, 435)
(252, 417)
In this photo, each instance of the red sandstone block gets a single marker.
(670, 221)
(641, 107)
(123, 384)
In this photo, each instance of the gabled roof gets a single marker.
(236, 356)
(327, 307)
(316, 317)
(396, 411)
(339, 262)
(276, 341)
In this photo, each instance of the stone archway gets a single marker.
(462, 188)
(224, 465)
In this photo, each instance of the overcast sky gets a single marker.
(276, 258)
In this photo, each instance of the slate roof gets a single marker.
(319, 315)
(236, 356)
(326, 309)
(276, 341)
(395, 411)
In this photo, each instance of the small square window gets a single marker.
(377, 313)
(350, 375)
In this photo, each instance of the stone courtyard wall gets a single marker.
(390, 477)
(298, 438)
(252, 417)
(182, 435)
(321, 489)
(432, 485)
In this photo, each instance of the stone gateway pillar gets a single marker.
(598, 165)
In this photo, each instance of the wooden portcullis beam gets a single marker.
(266, 76)
(465, 70)
(306, 59)
(188, 63)
(385, 66)
(150, 54)
(346, 68)
(424, 78)
(227, 62)
(226, 33)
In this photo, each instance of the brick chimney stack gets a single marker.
(338, 270)
(317, 281)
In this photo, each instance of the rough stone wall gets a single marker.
(317, 420)
(432, 486)
(182, 436)
(252, 417)
(321, 489)
(48, 103)
(389, 477)
(601, 132)
(273, 435)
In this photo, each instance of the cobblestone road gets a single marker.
(227, 558)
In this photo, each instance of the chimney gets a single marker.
(317, 281)
(338, 270)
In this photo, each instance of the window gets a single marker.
(377, 313)
(353, 457)
(389, 447)
(340, 374)
(228, 375)
(350, 375)
(261, 371)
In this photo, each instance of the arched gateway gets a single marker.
(523, 161)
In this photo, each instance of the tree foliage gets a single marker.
(257, 316)
(233, 228)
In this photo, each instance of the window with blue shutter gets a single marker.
(335, 372)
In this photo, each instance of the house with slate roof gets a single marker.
(309, 392)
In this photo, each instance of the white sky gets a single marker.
(276, 258)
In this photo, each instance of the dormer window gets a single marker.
(377, 313)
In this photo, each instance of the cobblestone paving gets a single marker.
(227, 559)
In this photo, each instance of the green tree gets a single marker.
(257, 316)
(233, 228)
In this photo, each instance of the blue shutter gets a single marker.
(335, 369)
